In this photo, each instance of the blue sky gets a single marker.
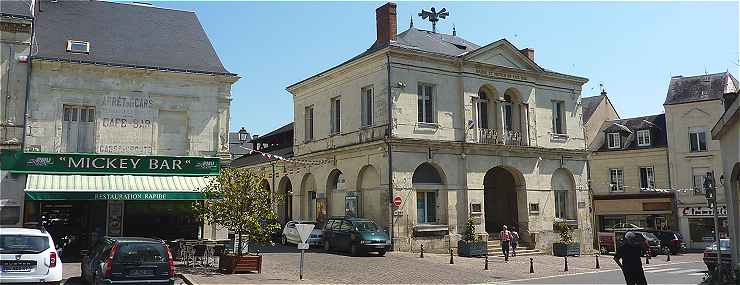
(632, 48)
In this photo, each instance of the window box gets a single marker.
(562, 249)
(425, 230)
(472, 248)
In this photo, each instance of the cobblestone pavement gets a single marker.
(400, 267)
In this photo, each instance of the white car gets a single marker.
(28, 256)
(290, 233)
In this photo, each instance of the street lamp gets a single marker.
(243, 135)
(711, 194)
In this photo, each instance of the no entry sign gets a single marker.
(397, 201)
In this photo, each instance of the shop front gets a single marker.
(653, 212)
(82, 197)
(697, 225)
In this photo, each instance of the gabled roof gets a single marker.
(627, 128)
(589, 105)
(125, 35)
(700, 88)
(16, 8)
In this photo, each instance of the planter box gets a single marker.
(561, 249)
(230, 264)
(474, 248)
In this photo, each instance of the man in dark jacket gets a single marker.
(629, 253)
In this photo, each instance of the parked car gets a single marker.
(28, 256)
(670, 241)
(710, 256)
(128, 260)
(290, 233)
(610, 242)
(652, 243)
(355, 235)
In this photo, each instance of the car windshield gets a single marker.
(725, 243)
(366, 226)
(15, 244)
(138, 252)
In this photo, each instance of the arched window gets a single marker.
(426, 174)
(564, 188)
(508, 113)
(482, 110)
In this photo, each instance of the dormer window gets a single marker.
(643, 138)
(78, 46)
(613, 140)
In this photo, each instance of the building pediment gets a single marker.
(502, 53)
(695, 113)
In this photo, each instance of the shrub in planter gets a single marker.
(567, 246)
(471, 244)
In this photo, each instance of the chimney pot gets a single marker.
(529, 53)
(385, 21)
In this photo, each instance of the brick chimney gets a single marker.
(385, 21)
(528, 52)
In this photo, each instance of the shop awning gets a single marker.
(114, 187)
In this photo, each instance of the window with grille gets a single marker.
(78, 128)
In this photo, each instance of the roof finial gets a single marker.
(603, 91)
(412, 22)
(454, 32)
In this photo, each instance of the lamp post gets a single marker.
(243, 135)
(710, 192)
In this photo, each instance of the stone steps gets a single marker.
(494, 249)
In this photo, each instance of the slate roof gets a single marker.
(589, 105)
(628, 129)
(700, 88)
(281, 130)
(256, 158)
(17, 8)
(126, 35)
(428, 41)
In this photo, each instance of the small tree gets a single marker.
(469, 233)
(236, 200)
(565, 231)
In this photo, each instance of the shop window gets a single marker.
(78, 128)
(702, 229)
(647, 178)
(616, 180)
(610, 222)
(426, 207)
(697, 140)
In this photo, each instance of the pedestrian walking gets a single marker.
(628, 258)
(514, 240)
(505, 236)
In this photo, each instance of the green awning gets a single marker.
(114, 187)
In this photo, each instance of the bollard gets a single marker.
(668, 256)
(597, 262)
(647, 257)
(566, 264)
(486, 266)
(421, 255)
(531, 265)
(451, 261)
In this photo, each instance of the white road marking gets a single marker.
(684, 271)
(696, 274)
(661, 270)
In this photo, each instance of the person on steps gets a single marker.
(505, 236)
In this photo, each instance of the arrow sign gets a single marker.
(304, 231)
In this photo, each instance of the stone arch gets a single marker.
(335, 188)
(308, 197)
(564, 192)
(429, 183)
(371, 200)
(504, 199)
(265, 184)
(285, 207)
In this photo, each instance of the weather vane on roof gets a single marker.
(434, 16)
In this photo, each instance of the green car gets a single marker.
(355, 235)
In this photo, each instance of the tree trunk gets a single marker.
(239, 249)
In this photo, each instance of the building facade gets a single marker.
(693, 105)
(630, 175)
(124, 123)
(727, 131)
(596, 110)
(445, 128)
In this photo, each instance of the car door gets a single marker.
(343, 235)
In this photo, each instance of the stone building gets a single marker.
(693, 105)
(727, 131)
(596, 110)
(122, 84)
(629, 175)
(451, 129)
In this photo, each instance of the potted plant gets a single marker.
(567, 246)
(236, 200)
(471, 244)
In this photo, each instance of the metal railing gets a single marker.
(492, 136)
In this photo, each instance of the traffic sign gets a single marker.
(397, 201)
(303, 245)
(304, 231)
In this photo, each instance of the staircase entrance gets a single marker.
(500, 200)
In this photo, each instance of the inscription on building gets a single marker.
(125, 124)
(499, 74)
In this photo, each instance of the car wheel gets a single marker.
(354, 250)
(327, 246)
(665, 250)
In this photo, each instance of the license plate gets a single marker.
(140, 272)
(15, 268)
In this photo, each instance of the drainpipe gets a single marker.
(388, 135)
(28, 83)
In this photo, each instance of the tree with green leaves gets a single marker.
(237, 201)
